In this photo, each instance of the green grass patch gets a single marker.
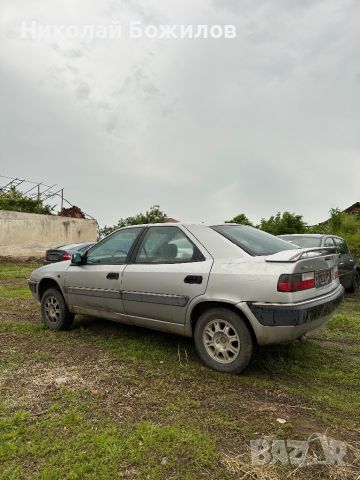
(140, 404)
(14, 292)
(8, 326)
(69, 442)
(17, 270)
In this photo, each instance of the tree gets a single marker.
(16, 201)
(344, 225)
(283, 223)
(154, 215)
(241, 218)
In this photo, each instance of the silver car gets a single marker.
(228, 286)
(349, 269)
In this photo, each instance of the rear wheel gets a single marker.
(223, 340)
(54, 311)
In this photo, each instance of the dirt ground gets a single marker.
(109, 401)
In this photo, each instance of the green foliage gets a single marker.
(241, 218)
(285, 223)
(345, 226)
(154, 215)
(16, 201)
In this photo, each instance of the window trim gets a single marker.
(142, 237)
(331, 238)
(128, 257)
(338, 246)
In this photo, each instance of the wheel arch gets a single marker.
(201, 307)
(47, 283)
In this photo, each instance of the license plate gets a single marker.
(322, 278)
(53, 256)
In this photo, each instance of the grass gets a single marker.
(108, 401)
(67, 442)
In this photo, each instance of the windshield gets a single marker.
(252, 240)
(303, 242)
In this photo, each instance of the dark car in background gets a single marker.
(64, 252)
(348, 267)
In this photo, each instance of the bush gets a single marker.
(154, 215)
(343, 225)
(16, 201)
(283, 223)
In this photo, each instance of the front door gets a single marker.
(95, 286)
(168, 271)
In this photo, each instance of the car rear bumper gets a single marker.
(276, 322)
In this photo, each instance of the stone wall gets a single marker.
(30, 234)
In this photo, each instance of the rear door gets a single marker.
(169, 269)
(95, 286)
(346, 262)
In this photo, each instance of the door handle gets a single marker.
(193, 279)
(112, 276)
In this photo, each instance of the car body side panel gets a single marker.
(88, 286)
(54, 271)
(156, 296)
(159, 291)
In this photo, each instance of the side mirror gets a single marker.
(76, 259)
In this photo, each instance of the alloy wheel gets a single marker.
(221, 341)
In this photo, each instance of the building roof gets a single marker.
(354, 208)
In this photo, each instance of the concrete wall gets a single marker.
(30, 234)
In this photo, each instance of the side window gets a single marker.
(344, 249)
(329, 242)
(115, 248)
(83, 249)
(167, 245)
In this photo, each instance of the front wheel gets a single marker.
(54, 311)
(223, 340)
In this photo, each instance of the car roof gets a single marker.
(311, 235)
(183, 224)
(70, 246)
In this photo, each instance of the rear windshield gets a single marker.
(253, 241)
(303, 242)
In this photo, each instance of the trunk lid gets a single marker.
(322, 262)
(54, 255)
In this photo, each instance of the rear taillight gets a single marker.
(296, 281)
(66, 256)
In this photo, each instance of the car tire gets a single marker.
(54, 311)
(355, 283)
(223, 341)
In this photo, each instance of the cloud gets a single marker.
(268, 121)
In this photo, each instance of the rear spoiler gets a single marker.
(290, 256)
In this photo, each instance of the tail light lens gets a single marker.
(66, 256)
(296, 282)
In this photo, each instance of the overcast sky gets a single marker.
(268, 121)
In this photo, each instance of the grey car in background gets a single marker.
(65, 252)
(348, 267)
(230, 287)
